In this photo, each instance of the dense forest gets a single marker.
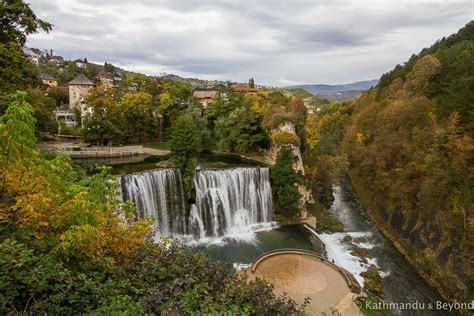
(408, 145)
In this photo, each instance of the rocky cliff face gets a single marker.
(288, 128)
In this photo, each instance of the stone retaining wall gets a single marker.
(350, 279)
(105, 152)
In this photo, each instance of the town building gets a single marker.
(244, 88)
(117, 78)
(205, 96)
(62, 67)
(48, 80)
(106, 78)
(80, 63)
(33, 54)
(55, 60)
(67, 117)
(79, 87)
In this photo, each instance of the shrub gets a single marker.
(283, 138)
(167, 278)
(66, 130)
(373, 281)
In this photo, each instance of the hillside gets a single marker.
(195, 82)
(340, 92)
(410, 146)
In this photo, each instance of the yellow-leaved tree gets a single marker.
(45, 198)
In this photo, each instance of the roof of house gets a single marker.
(79, 61)
(37, 51)
(81, 80)
(242, 87)
(46, 76)
(204, 94)
(105, 75)
(55, 58)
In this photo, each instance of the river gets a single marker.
(401, 282)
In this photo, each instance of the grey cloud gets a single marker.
(275, 41)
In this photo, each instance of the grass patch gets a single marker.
(162, 146)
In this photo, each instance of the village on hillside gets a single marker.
(73, 80)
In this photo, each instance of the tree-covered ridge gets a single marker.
(410, 148)
(443, 73)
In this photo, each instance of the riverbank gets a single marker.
(404, 249)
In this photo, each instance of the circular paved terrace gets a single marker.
(303, 274)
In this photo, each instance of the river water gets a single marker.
(401, 283)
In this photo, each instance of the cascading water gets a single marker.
(230, 201)
(157, 193)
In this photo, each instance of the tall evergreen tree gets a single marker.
(251, 83)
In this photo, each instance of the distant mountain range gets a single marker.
(339, 92)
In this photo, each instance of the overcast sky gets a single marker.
(276, 42)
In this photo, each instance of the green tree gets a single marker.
(223, 105)
(109, 67)
(240, 131)
(185, 142)
(136, 109)
(236, 121)
(91, 71)
(44, 108)
(17, 136)
(136, 82)
(17, 73)
(106, 121)
(251, 83)
(60, 95)
(285, 182)
(171, 97)
(18, 21)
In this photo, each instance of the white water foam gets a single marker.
(240, 266)
(339, 252)
(245, 234)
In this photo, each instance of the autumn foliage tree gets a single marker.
(410, 147)
(105, 121)
(42, 197)
(139, 119)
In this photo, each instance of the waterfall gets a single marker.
(230, 201)
(157, 193)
